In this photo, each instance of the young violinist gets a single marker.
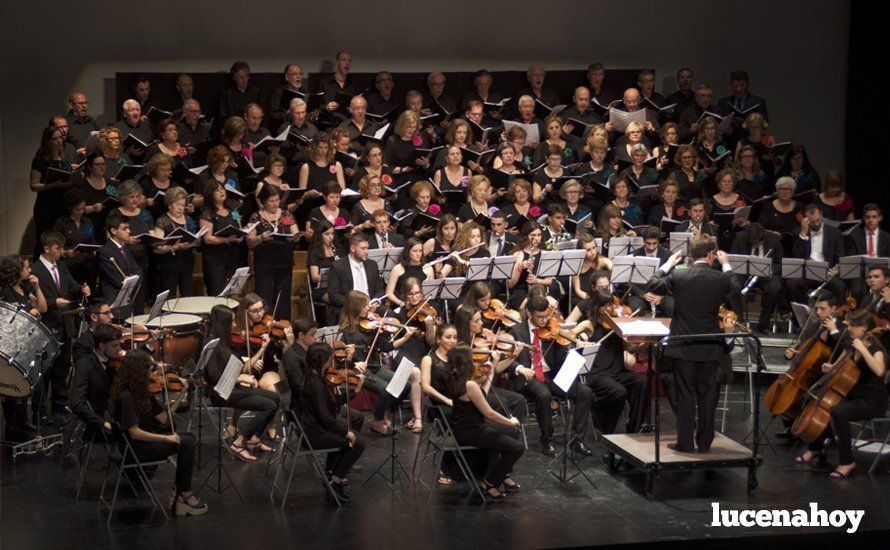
(246, 395)
(469, 412)
(494, 312)
(527, 255)
(93, 377)
(303, 334)
(612, 378)
(252, 318)
(593, 262)
(410, 266)
(434, 383)
(151, 431)
(536, 381)
(319, 416)
(867, 399)
(355, 315)
(598, 282)
(416, 312)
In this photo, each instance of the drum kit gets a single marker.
(27, 351)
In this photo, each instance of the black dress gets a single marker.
(92, 196)
(273, 262)
(219, 261)
(48, 205)
(176, 269)
(82, 264)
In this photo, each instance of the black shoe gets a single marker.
(549, 450)
(675, 447)
(46, 420)
(342, 491)
(580, 448)
(785, 434)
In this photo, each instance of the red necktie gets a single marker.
(871, 243)
(537, 358)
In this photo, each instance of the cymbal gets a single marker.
(74, 311)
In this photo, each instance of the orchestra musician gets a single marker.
(93, 377)
(116, 263)
(867, 399)
(527, 255)
(638, 298)
(318, 414)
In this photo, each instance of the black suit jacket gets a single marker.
(294, 361)
(706, 227)
(662, 253)
(771, 245)
(90, 390)
(856, 245)
(340, 280)
(110, 259)
(395, 239)
(832, 245)
(70, 290)
(554, 355)
(509, 244)
(698, 293)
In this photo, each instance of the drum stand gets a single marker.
(41, 444)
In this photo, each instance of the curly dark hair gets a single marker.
(132, 376)
(11, 270)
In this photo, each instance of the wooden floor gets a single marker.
(642, 447)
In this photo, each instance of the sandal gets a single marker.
(385, 432)
(186, 508)
(443, 479)
(819, 456)
(240, 453)
(488, 487)
(511, 487)
(415, 425)
(260, 447)
(837, 474)
(231, 431)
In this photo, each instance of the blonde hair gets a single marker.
(174, 194)
(156, 162)
(516, 184)
(365, 183)
(406, 119)
(476, 182)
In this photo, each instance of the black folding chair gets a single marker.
(441, 440)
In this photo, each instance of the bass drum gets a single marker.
(27, 351)
(182, 337)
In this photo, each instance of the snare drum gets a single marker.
(182, 336)
(197, 305)
(27, 351)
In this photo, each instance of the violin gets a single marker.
(730, 318)
(619, 309)
(386, 324)
(156, 382)
(555, 333)
(422, 312)
(270, 326)
(337, 377)
(481, 364)
(238, 338)
(134, 337)
(498, 312)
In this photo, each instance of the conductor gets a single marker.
(698, 293)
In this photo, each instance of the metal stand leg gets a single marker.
(559, 466)
(396, 468)
(220, 469)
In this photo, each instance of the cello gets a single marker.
(786, 393)
(827, 392)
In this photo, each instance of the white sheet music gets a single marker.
(236, 283)
(226, 382)
(206, 353)
(569, 371)
(400, 378)
(641, 327)
(328, 334)
(124, 295)
(589, 355)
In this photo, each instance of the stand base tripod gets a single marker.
(396, 468)
(219, 469)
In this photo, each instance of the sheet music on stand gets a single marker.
(633, 269)
(226, 382)
(443, 289)
(490, 269)
(623, 246)
(569, 371)
(679, 241)
(158, 306)
(323, 277)
(751, 266)
(386, 259)
(589, 355)
(856, 267)
(204, 358)
(400, 378)
(125, 295)
(811, 270)
(329, 334)
(556, 263)
(568, 245)
(801, 313)
(236, 283)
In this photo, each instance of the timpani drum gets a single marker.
(182, 336)
(27, 351)
(197, 305)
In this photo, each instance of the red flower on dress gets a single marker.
(182, 152)
(767, 140)
(534, 211)
(339, 221)
(286, 220)
(247, 152)
(417, 140)
(435, 209)
(799, 217)
(846, 205)
(386, 179)
(332, 168)
(681, 210)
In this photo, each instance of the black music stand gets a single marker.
(856, 267)
(233, 367)
(559, 466)
(633, 269)
(448, 288)
(386, 259)
(236, 283)
(678, 241)
(623, 246)
(395, 388)
(561, 263)
(811, 270)
(495, 268)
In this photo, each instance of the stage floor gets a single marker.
(37, 507)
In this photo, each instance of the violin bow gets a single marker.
(274, 309)
(405, 324)
(166, 397)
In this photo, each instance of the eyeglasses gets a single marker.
(105, 312)
(415, 293)
(257, 309)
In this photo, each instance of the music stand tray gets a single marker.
(559, 263)
(496, 268)
(443, 289)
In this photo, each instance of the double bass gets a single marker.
(786, 393)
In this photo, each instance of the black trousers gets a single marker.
(263, 403)
(150, 451)
(582, 397)
(340, 462)
(504, 450)
(610, 391)
(857, 408)
(771, 294)
(216, 275)
(54, 380)
(696, 384)
(269, 282)
(540, 393)
(177, 276)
